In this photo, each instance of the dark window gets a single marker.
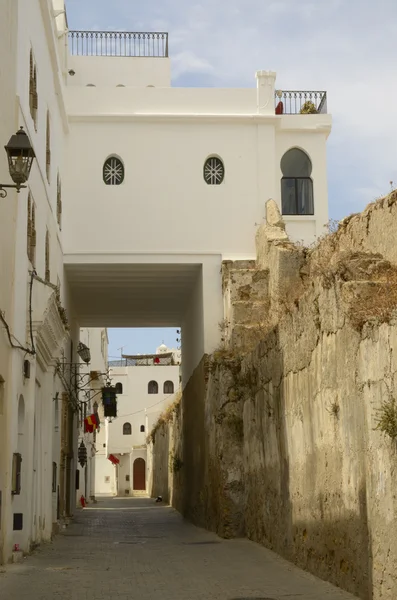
(54, 476)
(142, 429)
(296, 184)
(113, 171)
(18, 522)
(214, 171)
(127, 429)
(127, 477)
(153, 387)
(168, 387)
(16, 474)
(119, 388)
(77, 479)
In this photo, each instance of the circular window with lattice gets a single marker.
(113, 171)
(214, 171)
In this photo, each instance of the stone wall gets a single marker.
(278, 430)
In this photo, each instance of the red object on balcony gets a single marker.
(157, 360)
(113, 459)
(280, 108)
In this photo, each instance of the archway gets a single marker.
(139, 474)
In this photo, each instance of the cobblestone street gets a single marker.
(136, 549)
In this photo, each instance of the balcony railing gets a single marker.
(118, 43)
(297, 102)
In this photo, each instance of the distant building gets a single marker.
(146, 387)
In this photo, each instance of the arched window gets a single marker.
(153, 387)
(168, 387)
(127, 429)
(95, 407)
(113, 171)
(142, 429)
(119, 388)
(296, 184)
(214, 171)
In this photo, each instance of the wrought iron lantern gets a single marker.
(20, 155)
(109, 400)
(84, 352)
(82, 454)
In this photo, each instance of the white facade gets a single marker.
(147, 390)
(92, 378)
(147, 252)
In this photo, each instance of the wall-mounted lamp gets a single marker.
(20, 156)
(84, 352)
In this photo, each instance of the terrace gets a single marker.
(132, 44)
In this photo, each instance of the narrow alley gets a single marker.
(136, 549)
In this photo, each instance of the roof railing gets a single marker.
(119, 43)
(295, 102)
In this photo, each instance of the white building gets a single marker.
(137, 194)
(92, 379)
(146, 387)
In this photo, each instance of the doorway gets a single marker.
(139, 474)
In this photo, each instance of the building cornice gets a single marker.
(313, 123)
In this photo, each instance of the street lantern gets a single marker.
(20, 155)
(84, 352)
(82, 454)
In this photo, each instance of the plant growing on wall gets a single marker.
(387, 418)
(175, 463)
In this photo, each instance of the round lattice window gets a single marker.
(214, 171)
(113, 171)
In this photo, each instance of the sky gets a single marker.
(344, 47)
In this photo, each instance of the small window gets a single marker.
(127, 429)
(119, 388)
(142, 429)
(107, 478)
(48, 148)
(153, 387)
(214, 171)
(54, 477)
(168, 387)
(47, 256)
(113, 171)
(59, 202)
(16, 474)
(296, 183)
(31, 230)
(33, 96)
(127, 477)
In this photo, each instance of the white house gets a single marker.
(138, 192)
(145, 388)
(92, 378)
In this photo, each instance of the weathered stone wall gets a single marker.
(278, 437)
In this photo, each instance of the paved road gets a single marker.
(137, 550)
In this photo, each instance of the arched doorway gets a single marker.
(139, 474)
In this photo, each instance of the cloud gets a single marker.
(346, 48)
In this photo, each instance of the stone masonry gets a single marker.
(287, 434)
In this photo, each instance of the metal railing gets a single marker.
(298, 102)
(119, 43)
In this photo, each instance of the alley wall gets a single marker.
(287, 434)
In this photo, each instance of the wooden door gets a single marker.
(139, 474)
